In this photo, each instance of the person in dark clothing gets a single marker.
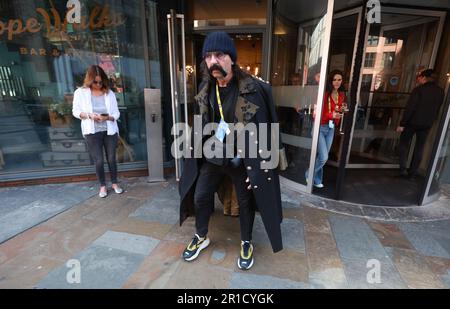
(420, 113)
(229, 96)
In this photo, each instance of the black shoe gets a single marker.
(246, 260)
(413, 175)
(196, 245)
(403, 174)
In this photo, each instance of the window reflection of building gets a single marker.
(369, 60)
(403, 46)
(40, 70)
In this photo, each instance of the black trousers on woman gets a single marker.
(208, 183)
(405, 142)
(96, 143)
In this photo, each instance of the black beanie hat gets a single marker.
(219, 41)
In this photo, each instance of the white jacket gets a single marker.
(82, 103)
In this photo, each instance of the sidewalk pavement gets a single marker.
(134, 240)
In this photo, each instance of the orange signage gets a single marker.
(99, 17)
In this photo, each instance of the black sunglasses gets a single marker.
(97, 82)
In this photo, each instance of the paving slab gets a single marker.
(414, 270)
(157, 268)
(355, 239)
(132, 243)
(360, 275)
(291, 232)
(252, 281)
(423, 241)
(100, 268)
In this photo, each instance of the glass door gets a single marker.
(439, 171)
(300, 41)
(395, 51)
(343, 43)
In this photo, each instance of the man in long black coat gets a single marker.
(421, 111)
(228, 96)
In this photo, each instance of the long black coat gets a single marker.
(254, 105)
(423, 106)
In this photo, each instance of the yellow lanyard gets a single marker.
(329, 104)
(219, 102)
(335, 102)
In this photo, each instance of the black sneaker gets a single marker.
(246, 260)
(403, 173)
(196, 245)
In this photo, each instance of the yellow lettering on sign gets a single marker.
(33, 25)
(106, 18)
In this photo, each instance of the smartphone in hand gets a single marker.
(105, 115)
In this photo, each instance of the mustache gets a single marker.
(218, 68)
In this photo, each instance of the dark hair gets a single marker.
(92, 73)
(428, 73)
(329, 86)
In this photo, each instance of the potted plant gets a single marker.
(60, 114)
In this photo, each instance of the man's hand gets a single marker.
(400, 129)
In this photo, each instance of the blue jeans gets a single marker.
(326, 135)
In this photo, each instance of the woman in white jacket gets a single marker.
(96, 105)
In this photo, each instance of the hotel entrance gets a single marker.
(294, 45)
(187, 33)
(379, 63)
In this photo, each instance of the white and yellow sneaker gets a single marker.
(246, 259)
(196, 245)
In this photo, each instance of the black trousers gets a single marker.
(405, 142)
(208, 183)
(96, 142)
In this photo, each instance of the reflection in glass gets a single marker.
(342, 44)
(40, 70)
(298, 41)
(403, 46)
(217, 13)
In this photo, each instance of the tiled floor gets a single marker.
(133, 240)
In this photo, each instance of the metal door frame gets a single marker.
(174, 80)
(436, 150)
(357, 10)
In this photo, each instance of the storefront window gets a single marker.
(45, 50)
